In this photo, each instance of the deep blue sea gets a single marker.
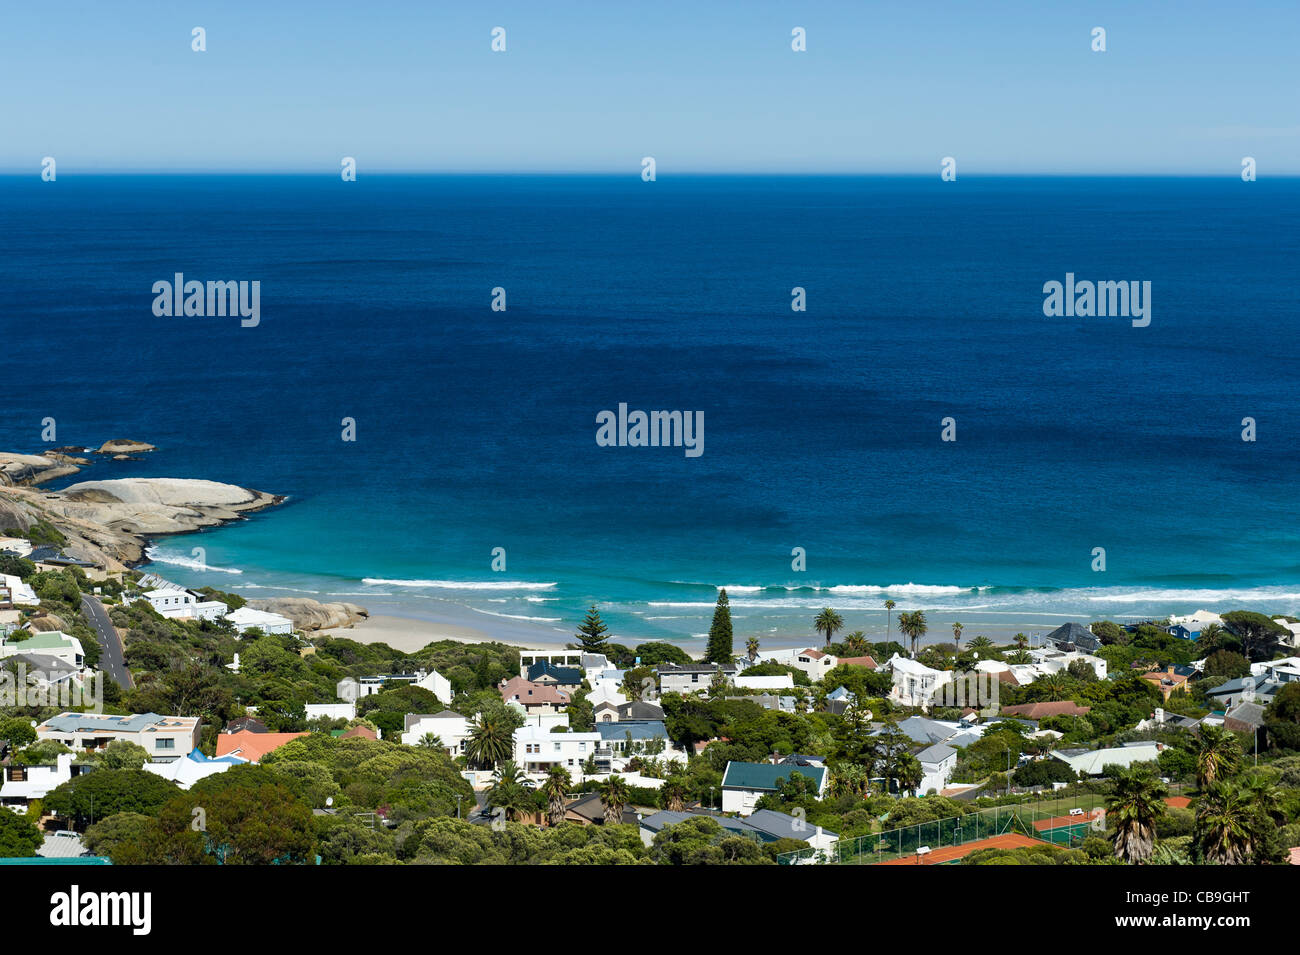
(476, 428)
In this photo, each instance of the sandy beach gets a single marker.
(409, 634)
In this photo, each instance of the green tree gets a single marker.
(613, 796)
(1258, 634)
(1134, 807)
(491, 739)
(592, 633)
(556, 789)
(957, 628)
(828, 622)
(720, 635)
(121, 754)
(19, 838)
(889, 610)
(913, 625)
(1217, 755)
(105, 792)
(1225, 824)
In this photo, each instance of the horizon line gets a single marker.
(333, 173)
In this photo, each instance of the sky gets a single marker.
(1184, 88)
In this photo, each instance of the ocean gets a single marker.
(475, 429)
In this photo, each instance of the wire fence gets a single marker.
(1059, 822)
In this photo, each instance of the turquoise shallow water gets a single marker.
(476, 429)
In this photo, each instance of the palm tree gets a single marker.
(1054, 684)
(827, 622)
(856, 643)
(956, 634)
(556, 788)
(490, 740)
(1021, 641)
(1137, 802)
(1217, 755)
(913, 626)
(751, 647)
(508, 793)
(1225, 824)
(674, 794)
(980, 644)
(613, 796)
(431, 741)
(1264, 797)
(889, 609)
(849, 779)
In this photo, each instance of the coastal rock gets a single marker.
(24, 470)
(108, 522)
(308, 614)
(124, 446)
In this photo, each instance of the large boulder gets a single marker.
(124, 446)
(308, 614)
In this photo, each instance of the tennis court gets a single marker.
(956, 853)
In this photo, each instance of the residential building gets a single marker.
(24, 783)
(1172, 679)
(51, 643)
(449, 726)
(560, 658)
(1073, 636)
(545, 673)
(246, 619)
(915, 684)
(769, 683)
(937, 762)
(627, 737)
(1091, 762)
(1045, 708)
(331, 711)
(743, 784)
(192, 767)
(692, 677)
(164, 738)
(252, 746)
(534, 697)
(538, 749)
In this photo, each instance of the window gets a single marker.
(165, 742)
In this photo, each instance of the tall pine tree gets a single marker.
(592, 632)
(720, 631)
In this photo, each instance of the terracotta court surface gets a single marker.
(1178, 802)
(1062, 822)
(950, 853)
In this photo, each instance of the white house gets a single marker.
(170, 603)
(816, 663)
(22, 784)
(743, 784)
(915, 683)
(692, 677)
(19, 591)
(537, 749)
(331, 711)
(1293, 628)
(435, 683)
(1092, 762)
(448, 726)
(164, 738)
(51, 643)
(246, 618)
(937, 762)
(189, 769)
(766, 683)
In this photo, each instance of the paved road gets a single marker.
(110, 646)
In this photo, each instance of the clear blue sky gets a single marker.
(1005, 87)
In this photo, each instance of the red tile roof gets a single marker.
(1046, 708)
(251, 746)
(533, 694)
